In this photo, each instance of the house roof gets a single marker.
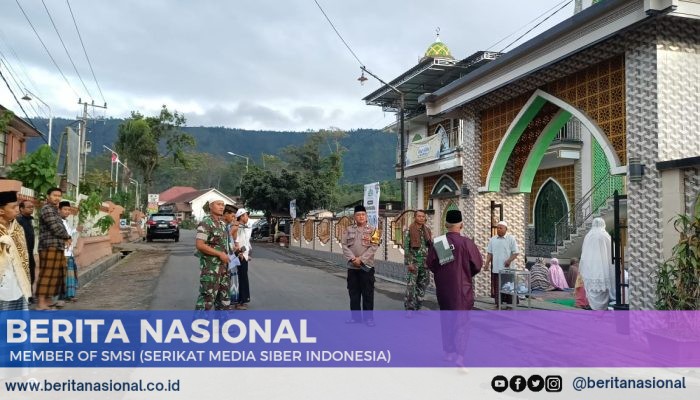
(571, 44)
(174, 192)
(22, 126)
(189, 197)
(427, 76)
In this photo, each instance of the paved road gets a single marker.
(280, 280)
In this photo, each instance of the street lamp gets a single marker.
(26, 97)
(362, 79)
(240, 190)
(111, 169)
(238, 155)
(138, 203)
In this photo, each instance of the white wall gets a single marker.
(197, 204)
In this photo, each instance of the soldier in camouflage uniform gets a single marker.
(212, 242)
(415, 243)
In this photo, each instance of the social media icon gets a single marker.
(499, 383)
(552, 383)
(535, 383)
(517, 383)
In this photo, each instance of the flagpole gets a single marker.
(111, 175)
(115, 159)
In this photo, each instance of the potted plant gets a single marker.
(678, 290)
(678, 284)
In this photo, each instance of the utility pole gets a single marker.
(400, 117)
(82, 161)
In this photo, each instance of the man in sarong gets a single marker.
(53, 239)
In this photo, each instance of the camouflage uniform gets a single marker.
(416, 282)
(214, 279)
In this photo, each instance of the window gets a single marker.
(3, 146)
(444, 138)
(445, 186)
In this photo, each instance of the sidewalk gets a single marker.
(128, 285)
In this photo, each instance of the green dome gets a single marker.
(438, 50)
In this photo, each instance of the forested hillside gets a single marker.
(370, 154)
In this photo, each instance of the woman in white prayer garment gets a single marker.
(596, 266)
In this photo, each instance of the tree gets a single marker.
(319, 166)
(266, 192)
(36, 170)
(140, 140)
(97, 181)
(5, 118)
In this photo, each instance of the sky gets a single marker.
(249, 64)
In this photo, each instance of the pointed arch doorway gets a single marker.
(551, 205)
(443, 197)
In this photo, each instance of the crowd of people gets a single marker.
(592, 279)
(56, 279)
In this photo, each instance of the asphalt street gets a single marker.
(164, 275)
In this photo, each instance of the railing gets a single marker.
(340, 227)
(571, 131)
(400, 225)
(323, 231)
(590, 202)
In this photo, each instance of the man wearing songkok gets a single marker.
(15, 283)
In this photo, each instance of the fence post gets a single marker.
(386, 242)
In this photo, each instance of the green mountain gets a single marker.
(370, 154)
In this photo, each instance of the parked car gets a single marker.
(261, 229)
(162, 226)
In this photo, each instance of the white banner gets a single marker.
(73, 156)
(293, 208)
(153, 197)
(423, 150)
(371, 203)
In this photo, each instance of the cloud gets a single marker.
(263, 64)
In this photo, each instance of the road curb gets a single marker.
(86, 275)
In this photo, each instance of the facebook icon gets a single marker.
(517, 383)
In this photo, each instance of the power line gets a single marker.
(522, 27)
(65, 48)
(22, 67)
(538, 24)
(46, 48)
(85, 51)
(338, 33)
(3, 61)
(29, 120)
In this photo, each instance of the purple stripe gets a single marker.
(489, 338)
